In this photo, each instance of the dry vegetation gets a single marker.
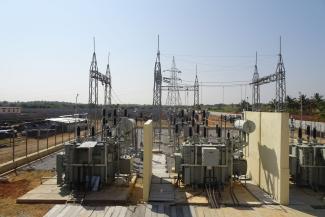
(20, 183)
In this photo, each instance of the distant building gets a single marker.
(68, 123)
(10, 110)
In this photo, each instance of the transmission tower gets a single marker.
(108, 95)
(156, 102)
(173, 97)
(157, 80)
(280, 96)
(280, 85)
(256, 88)
(93, 92)
(196, 90)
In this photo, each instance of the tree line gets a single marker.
(313, 107)
(43, 104)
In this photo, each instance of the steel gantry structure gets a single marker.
(279, 77)
(157, 94)
(94, 78)
(173, 88)
(173, 96)
(196, 90)
(255, 88)
(108, 85)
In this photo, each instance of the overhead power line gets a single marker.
(218, 56)
(219, 82)
(117, 97)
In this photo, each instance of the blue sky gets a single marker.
(46, 46)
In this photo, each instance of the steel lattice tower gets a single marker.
(108, 95)
(93, 92)
(280, 96)
(196, 90)
(156, 102)
(173, 97)
(157, 80)
(279, 78)
(256, 88)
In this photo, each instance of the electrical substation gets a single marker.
(180, 155)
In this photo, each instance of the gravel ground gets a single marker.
(46, 163)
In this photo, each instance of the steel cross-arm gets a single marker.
(180, 88)
(168, 80)
(265, 79)
(100, 77)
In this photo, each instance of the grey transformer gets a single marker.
(213, 161)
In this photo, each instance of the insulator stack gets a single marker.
(300, 133)
(78, 131)
(314, 132)
(190, 131)
(308, 130)
(92, 131)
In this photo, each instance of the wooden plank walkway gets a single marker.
(169, 210)
(141, 210)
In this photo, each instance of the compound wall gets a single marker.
(268, 153)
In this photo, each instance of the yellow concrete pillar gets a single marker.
(147, 158)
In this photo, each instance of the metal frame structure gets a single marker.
(108, 85)
(157, 92)
(256, 88)
(94, 77)
(279, 77)
(173, 97)
(196, 90)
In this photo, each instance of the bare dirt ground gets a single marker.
(18, 185)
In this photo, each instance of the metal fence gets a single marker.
(22, 145)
